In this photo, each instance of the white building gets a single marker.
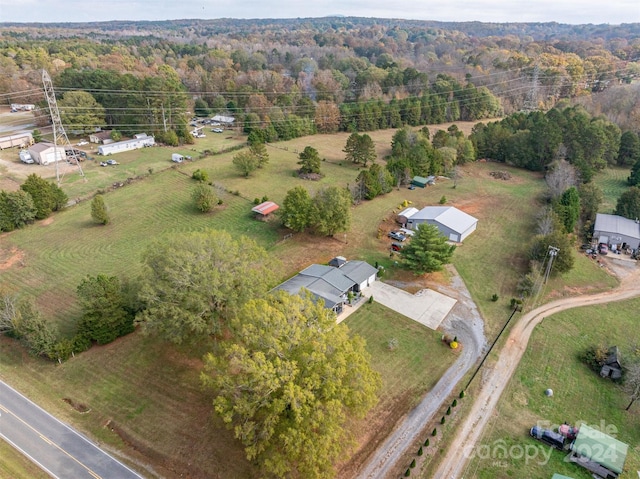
(47, 153)
(454, 224)
(140, 141)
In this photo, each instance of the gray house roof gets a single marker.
(40, 147)
(617, 224)
(358, 271)
(448, 216)
(328, 283)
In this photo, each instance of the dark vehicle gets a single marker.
(603, 249)
(549, 437)
(394, 235)
(396, 246)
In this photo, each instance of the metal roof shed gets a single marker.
(420, 181)
(599, 452)
(454, 224)
(266, 208)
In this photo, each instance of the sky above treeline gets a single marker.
(561, 11)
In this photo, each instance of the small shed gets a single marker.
(420, 181)
(21, 140)
(612, 367)
(599, 453)
(263, 210)
(101, 137)
(405, 214)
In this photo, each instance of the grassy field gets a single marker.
(580, 395)
(150, 391)
(613, 182)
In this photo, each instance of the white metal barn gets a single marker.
(140, 141)
(47, 153)
(454, 224)
(616, 231)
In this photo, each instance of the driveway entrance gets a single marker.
(426, 306)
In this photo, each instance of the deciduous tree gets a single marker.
(296, 209)
(286, 383)
(17, 209)
(428, 250)
(47, 197)
(245, 162)
(629, 203)
(204, 197)
(331, 212)
(193, 281)
(632, 382)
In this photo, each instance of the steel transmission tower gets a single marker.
(553, 252)
(59, 134)
(531, 100)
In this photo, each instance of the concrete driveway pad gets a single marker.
(426, 306)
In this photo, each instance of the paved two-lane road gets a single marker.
(52, 445)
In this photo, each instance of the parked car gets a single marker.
(83, 142)
(112, 162)
(394, 235)
(217, 130)
(396, 246)
(412, 187)
(407, 232)
(603, 249)
(103, 163)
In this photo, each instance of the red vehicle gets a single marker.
(603, 249)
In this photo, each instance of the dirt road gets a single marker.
(463, 321)
(496, 379)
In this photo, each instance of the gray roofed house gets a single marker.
(331, 284)
(616, 230)
(454, 224)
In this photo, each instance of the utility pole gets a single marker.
(164, 120)
(59, 134)
(553, 252)
(531, 100)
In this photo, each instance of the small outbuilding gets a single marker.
(47, 153)
(405, 214)
(224, 120)
(263, 210)
(454, 224)
(338, 261)
(599, 453)
(101, 137)
(20, 140)
(419, 181)
(612, 367)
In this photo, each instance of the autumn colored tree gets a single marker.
(327, 117)
(287, 381)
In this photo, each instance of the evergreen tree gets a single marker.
(47, 197)
(309, 161)
(99, 211)
(629, 203)
(629, 152)
(428, 250)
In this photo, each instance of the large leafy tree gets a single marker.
(105, 316)
(20, 319)
(428, 250)
(309, 160)
(17, 209)
(286, 383)
(296, 209)
(204, 197)
(47, 197)
(331, 212)
(259, 151)
(360, 149)
(629, 203)
(193, 281)
(246, 163)
(79, 110)
(564, 260)
(629, 152)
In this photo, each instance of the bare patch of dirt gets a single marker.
(46, 222)
(81, 408)
(11, 258)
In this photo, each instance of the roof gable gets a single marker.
(617, 224)
(358, 271)
(448, 216)
(265, 208)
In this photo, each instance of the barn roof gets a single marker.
(408, 212)
(617, 224)
(265, 208)
(600, 448)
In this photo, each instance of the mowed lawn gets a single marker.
(552, 360)
(136, 379)
(613, 182)
(16, 466)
